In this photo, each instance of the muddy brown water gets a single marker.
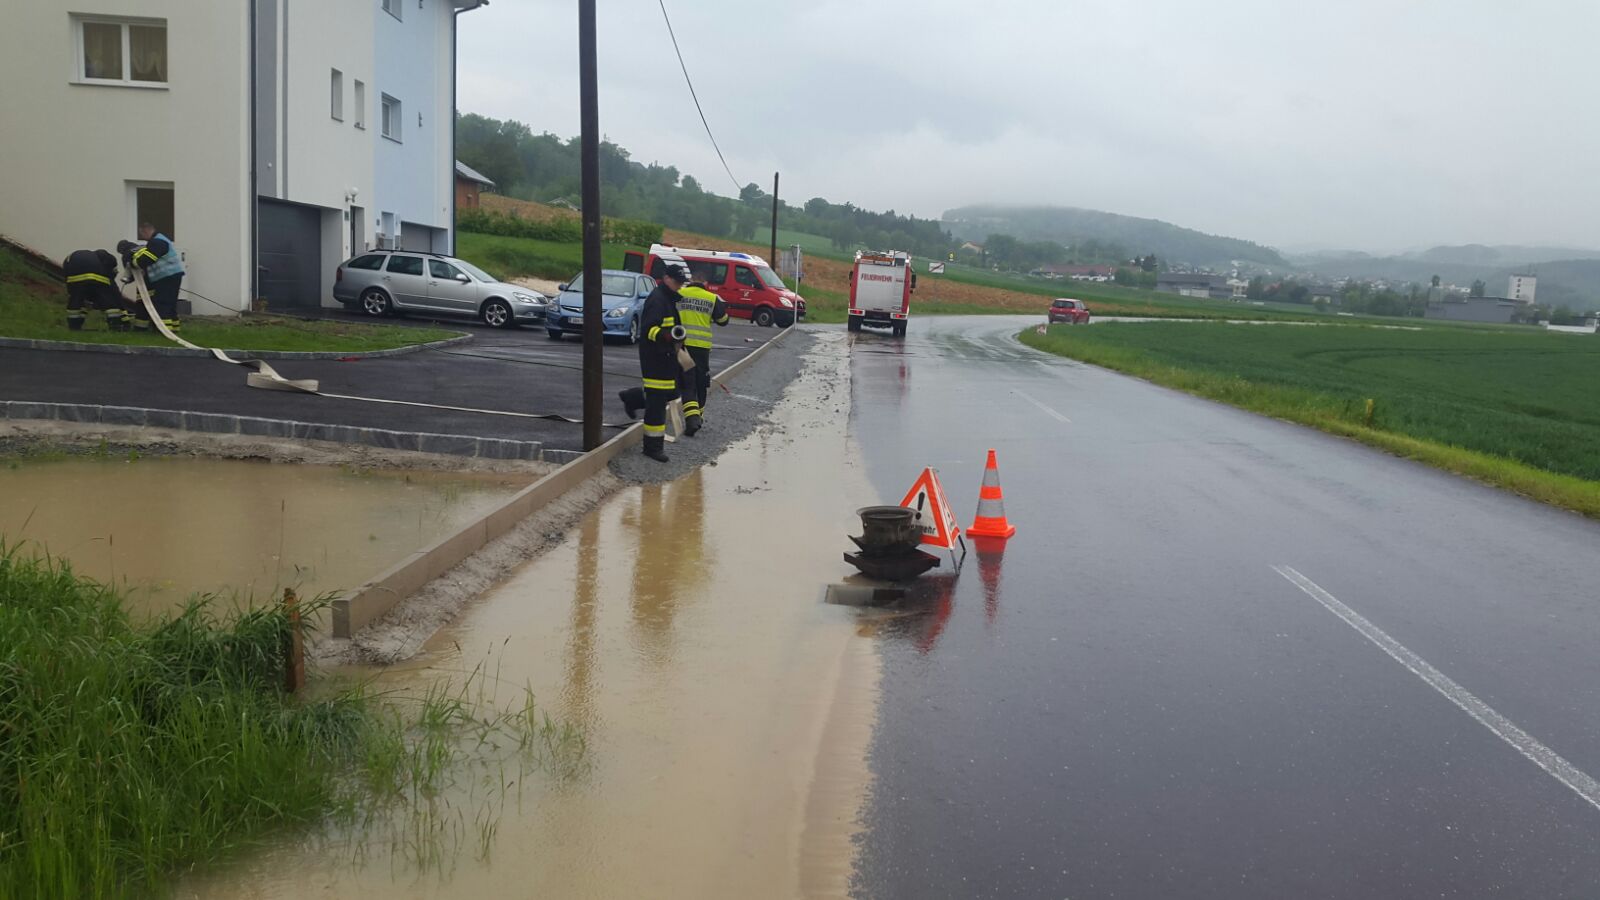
(727, 709)
(168, 528)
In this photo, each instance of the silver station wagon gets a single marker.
(391, 282)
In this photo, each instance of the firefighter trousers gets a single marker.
(694, 384)
(164, 294)
(658, 392)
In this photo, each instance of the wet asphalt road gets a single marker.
(1130, 701)
(519, 370)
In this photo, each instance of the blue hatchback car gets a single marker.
(622, 293)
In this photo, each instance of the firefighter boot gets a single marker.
(116, 321)
(632, 401)
(691, 424)
(75, 321)
(655, 448)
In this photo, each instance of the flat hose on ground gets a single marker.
(265, 377)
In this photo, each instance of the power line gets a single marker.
(736, 185)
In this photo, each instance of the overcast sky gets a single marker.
(1376, 125)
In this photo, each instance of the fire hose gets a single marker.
(265, 377)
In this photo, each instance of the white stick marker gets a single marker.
(1503, 728)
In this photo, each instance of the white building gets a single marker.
(1522, 288)
(269, 138)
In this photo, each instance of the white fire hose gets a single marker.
(267, 378)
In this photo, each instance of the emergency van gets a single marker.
(743, 280)
(880, 290)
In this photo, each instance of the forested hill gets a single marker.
(1073, 226)
(546, 168)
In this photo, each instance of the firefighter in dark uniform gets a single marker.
(91, 284)
(698, 309)
(658, 354)
(163, 271)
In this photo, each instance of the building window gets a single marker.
(361, 103)
(121, 51)
(391, 118)
(153, 203)
(337, 87)
(392, 7)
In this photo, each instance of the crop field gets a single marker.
(1504, 406)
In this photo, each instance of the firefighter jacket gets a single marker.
(658, 352)
(158, 258)
(697, 309)
(90, 267)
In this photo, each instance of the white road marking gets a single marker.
(1048, 411)
(1503, 728)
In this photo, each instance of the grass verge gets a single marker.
(1511, 410)
(512, 257)
(131, 752)
(34, 306)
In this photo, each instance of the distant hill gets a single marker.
(1562, 282)
(1070, 225)
(1502, 256)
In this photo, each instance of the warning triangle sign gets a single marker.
(938, 522)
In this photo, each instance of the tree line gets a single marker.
(548, 168)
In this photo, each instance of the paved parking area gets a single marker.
(519, 370)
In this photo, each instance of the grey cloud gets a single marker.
(1361, 123)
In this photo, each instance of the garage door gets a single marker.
(291, 255)
(421, 238)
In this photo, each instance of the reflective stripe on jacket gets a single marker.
(658, 352)
(159, 258)
(697, 309)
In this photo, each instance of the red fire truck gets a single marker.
(880, 290)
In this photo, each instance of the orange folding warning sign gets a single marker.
(939, 527)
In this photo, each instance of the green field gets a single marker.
(511, 257)
(1516, 408)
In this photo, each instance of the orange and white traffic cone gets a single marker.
(990, 521)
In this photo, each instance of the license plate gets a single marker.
(575, 322)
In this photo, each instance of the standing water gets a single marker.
(166, 529)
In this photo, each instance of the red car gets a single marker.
(1072, 312)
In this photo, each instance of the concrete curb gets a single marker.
(222, 423)
(370, 601)
(143, 350)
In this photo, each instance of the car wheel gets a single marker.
(900, 329)
(633, 330)
(375, 303)
(496, 314)
(763, 316)
(854, 324)
(555, 334)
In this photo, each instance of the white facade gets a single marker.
(84, 155)
(1522, 288)
(76, 153)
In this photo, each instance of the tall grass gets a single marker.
(130, 752)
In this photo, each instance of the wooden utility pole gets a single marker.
(593, 308)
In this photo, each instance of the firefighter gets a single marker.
(698, 308)
(658, 355)
(91, 277)
(163, 271)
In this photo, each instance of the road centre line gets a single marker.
(1503, 728)
(1048, 411)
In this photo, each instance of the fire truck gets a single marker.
(880, 290)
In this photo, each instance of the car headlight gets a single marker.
(617, 312)
(789, 304)
(532, 299)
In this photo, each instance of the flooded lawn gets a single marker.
(169, 527)
(727, 709)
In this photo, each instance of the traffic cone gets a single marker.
(990, 521)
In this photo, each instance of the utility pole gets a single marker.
(593, 311)
(773, 258)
